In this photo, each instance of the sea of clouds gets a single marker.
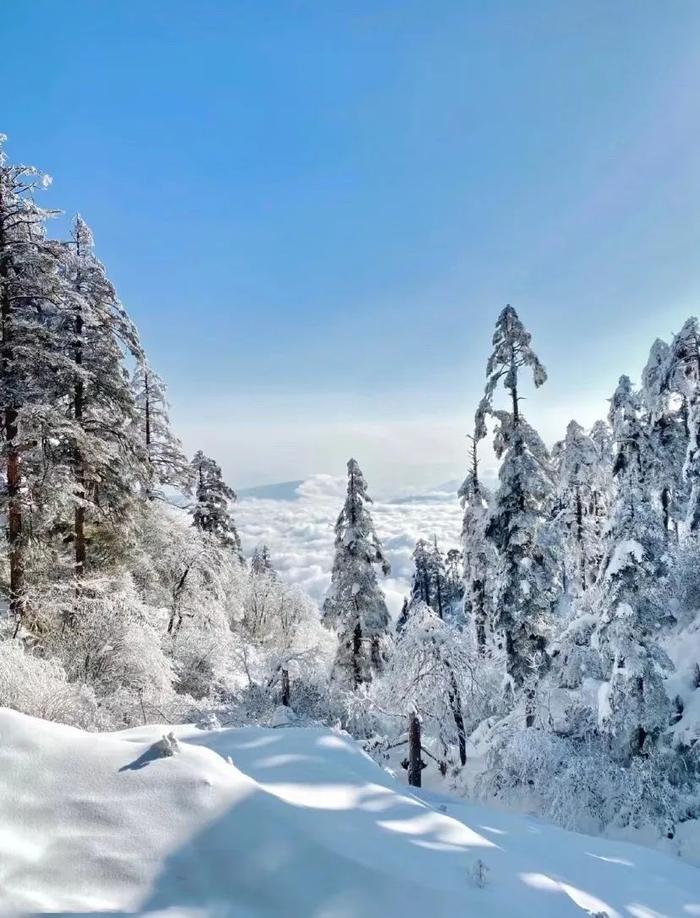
(298, 530)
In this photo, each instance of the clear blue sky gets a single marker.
(314, 211)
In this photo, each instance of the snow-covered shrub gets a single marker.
(578, 783)
(433, 670)
(40, 687)
(107, 639)
(280, 630)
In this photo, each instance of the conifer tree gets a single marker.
(478, 552)
(575, 460)
(354, 604)
(526, 573)
(454, 579)
(601, 496)
(103, 449)
(166, 463)
(665, 409)
(430, 583)
(260, 562)
(684, 376)
(213, 497)
(632, 606)
(31, 369)
(422, 580)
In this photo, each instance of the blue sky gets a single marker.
(314, 211)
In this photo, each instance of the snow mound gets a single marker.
(292, 822)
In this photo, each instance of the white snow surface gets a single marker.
(297, 822)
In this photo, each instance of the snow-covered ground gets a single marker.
(286, 822)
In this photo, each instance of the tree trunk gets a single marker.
(9, 420)
(579, 536)
(356, 655)
(479, 615)
(14, 518)
(415, 764)
(147, 410)
(456, 707)
(78, 396)
(529, 707)
(285, 692)
(665, 510)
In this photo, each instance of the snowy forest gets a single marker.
(552, 665)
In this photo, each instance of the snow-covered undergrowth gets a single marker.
(289, 821)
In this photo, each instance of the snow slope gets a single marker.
(299, 822)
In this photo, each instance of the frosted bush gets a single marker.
(41, 688)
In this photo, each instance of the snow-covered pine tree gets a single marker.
(438, 577)
(213, 496)
(601, 498)
(31, 369)
(103, 448)
(666, 418)
(354, 604)
(634, 706)
(477, 551)
(575, 460)
(421, 582)
(260, 562)
(527, 576)
(166, 465)
(454, 580)
(684, 370)
(430, 583)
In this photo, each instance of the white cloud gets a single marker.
(299, 533)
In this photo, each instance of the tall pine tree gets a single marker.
(213, 498)
(354, 604)
(526, 576)
(166, 463)
(102, 444)
(631, 586)
(32, 369)
(478, 552)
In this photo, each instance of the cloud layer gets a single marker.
(299, 532)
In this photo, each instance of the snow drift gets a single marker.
(285, 822)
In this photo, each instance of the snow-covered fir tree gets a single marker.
(354, 605)
(166, 463)
(213, 497)
(633, 610)
(429, 583)
(575, 459)
(665, 410)
(260, 562)
(601, 435)
(32, 372)
(454, 580)
(103, 448)
(684, 377)
(526, 581)
(478, 552)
